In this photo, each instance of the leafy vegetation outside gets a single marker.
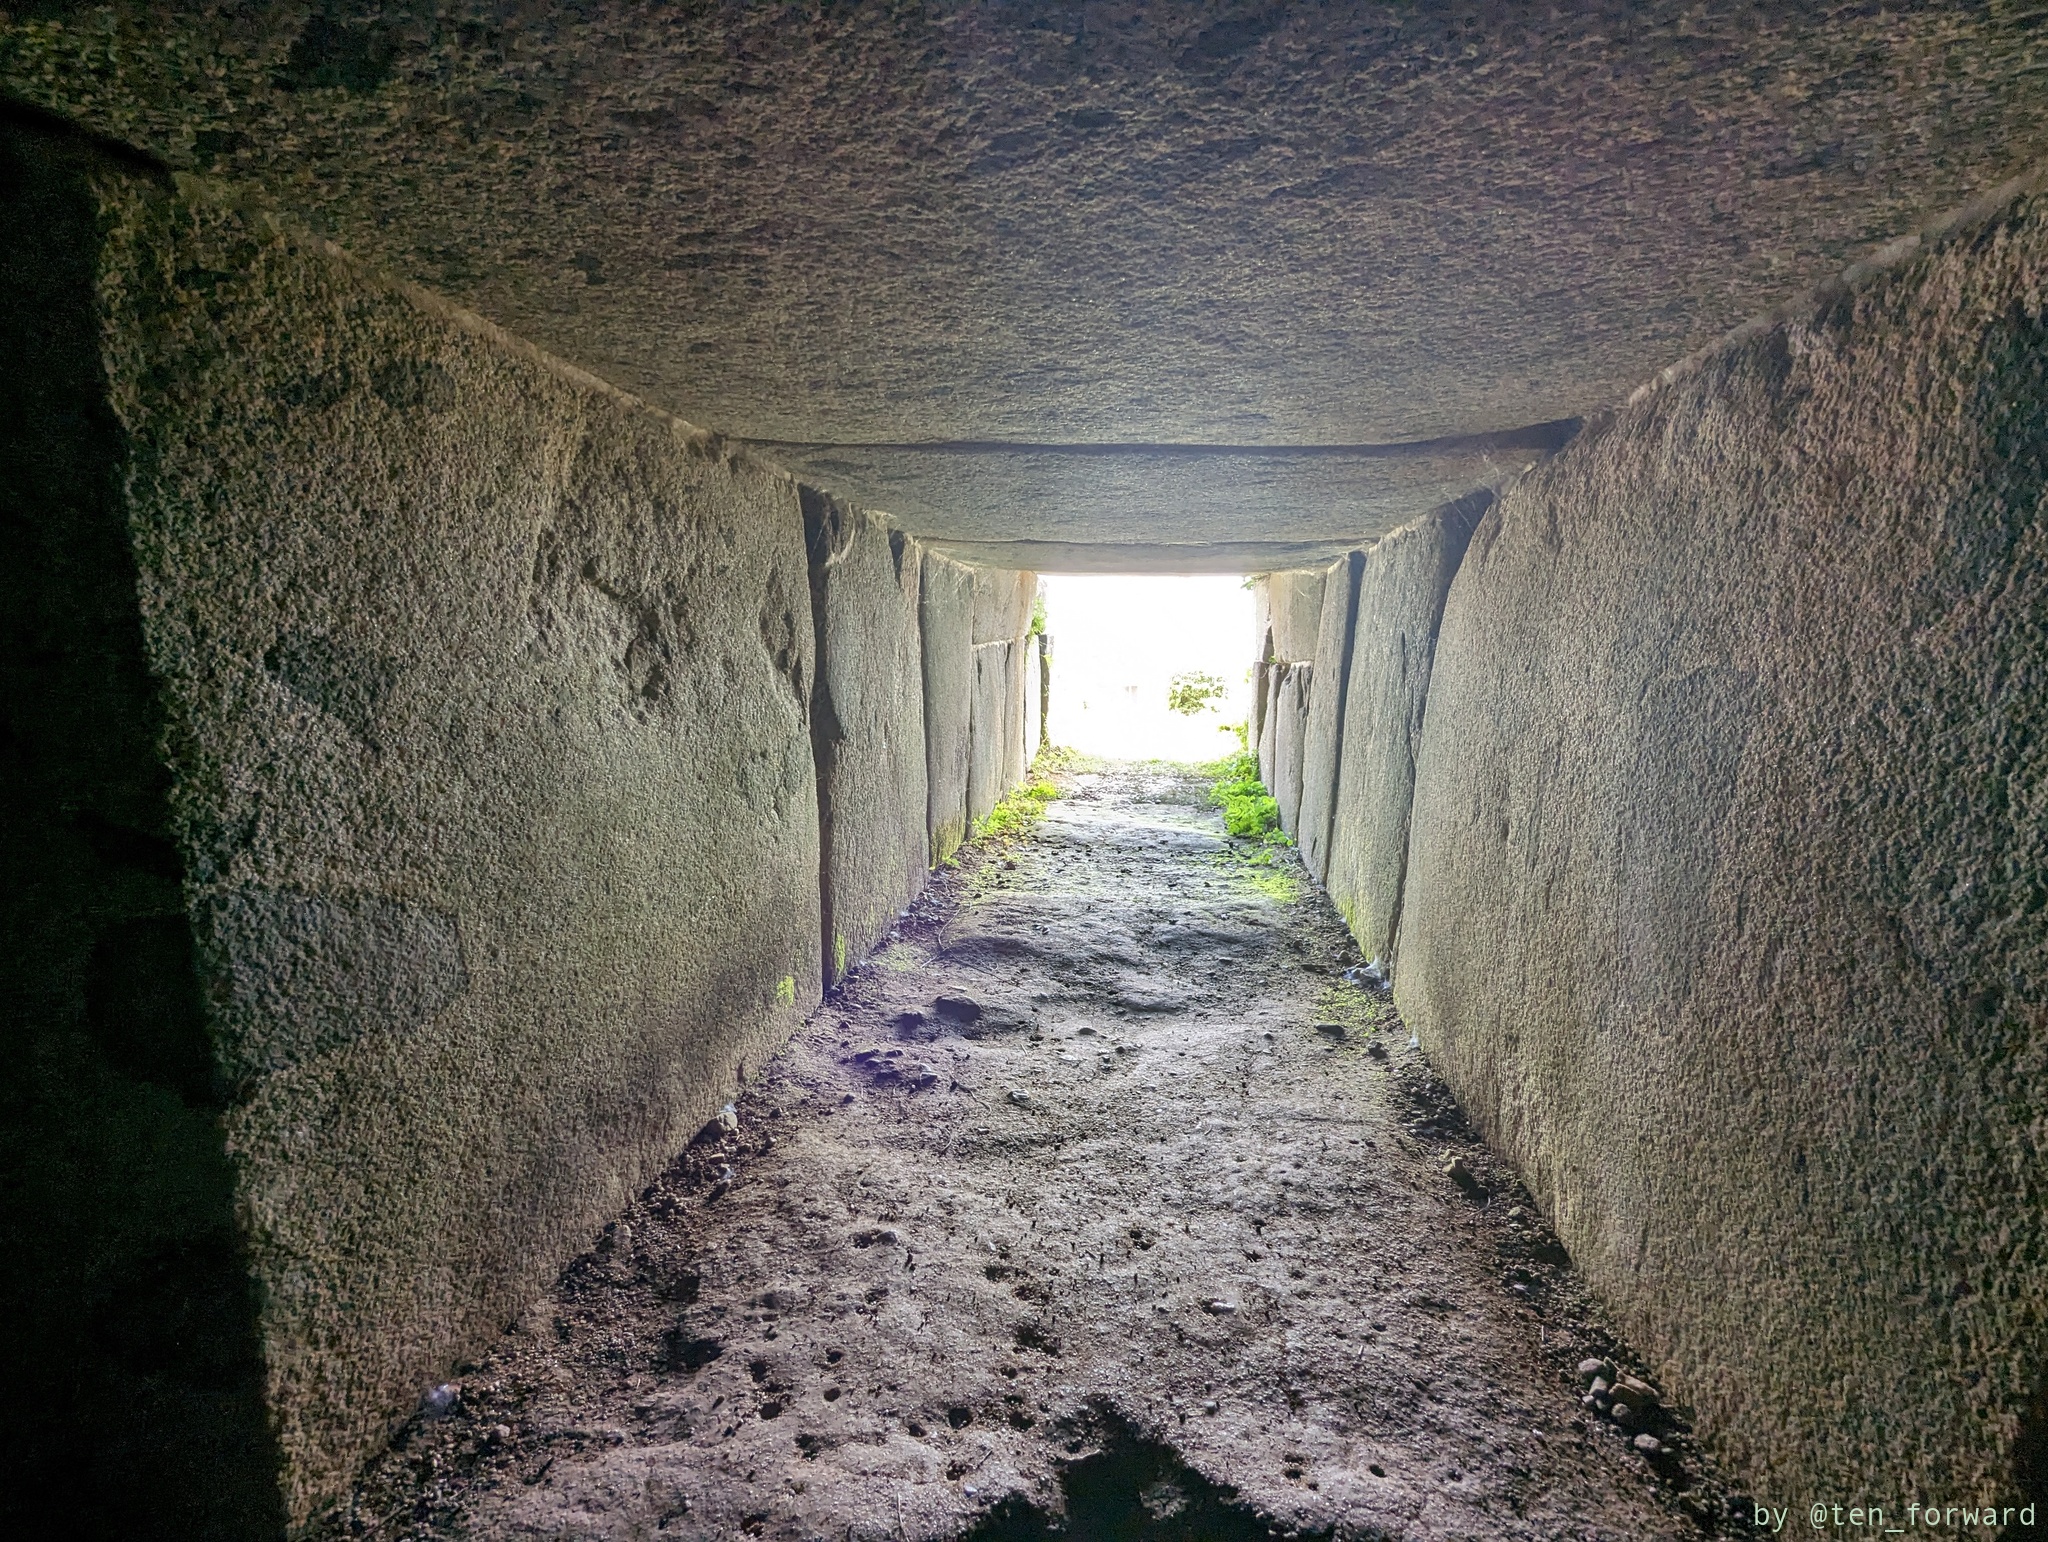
(1194, 691)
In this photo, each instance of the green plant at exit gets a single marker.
(1193, 691)
(1249, 811)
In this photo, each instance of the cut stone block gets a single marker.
(989, 757)
(867, 726)
(1290, 730)
(1034, 697)
(1724, 914)
(413, 834)
(1401, 589)
(1270, 676)
(1323, 721)
(946, 632)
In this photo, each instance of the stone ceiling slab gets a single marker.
(1245, 224)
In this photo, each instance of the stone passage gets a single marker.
(1101, 1172)
(439, 777)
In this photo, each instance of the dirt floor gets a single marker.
(1110, 1199)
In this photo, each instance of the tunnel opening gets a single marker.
(1148, 666)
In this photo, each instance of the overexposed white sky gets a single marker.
(1117, 643)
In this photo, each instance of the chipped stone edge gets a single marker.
(1930, 236)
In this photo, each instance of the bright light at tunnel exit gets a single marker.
(1118, 644)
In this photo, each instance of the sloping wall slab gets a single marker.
(1002, 603)
(1002, 617)
(1293, 613)
(989, 753)
(1323, 721)
(946, 632)
(867, 726)
(477, 779)
(1290, 729)
(1034, 696)
(1269, 726)
(117, 1195)
(1725, 912)
(1262, 706)
(1401, 592)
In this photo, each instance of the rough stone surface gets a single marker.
(1062, 1217)
(1401, 593)
(1725, 912)
(1269, 725)
(1323, 721)
(1221, 222)
(483, 692)
(988, 752)
(867, 726)
(946, 636)
(1293, 613)
(1158, 508)
(1262, 690)
(1002, 604)
(134, 1400)
(1002, 617)
(1034, 696)
(1290, 733)
(1023, 663)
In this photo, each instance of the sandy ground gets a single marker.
(1101, 1203)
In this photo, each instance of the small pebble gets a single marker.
(1209, 1407)
(1649, 1445)
(1019, 1096)
(440, 1401)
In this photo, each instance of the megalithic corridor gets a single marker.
(1157, 771)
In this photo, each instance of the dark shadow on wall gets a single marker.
(824, 538)
(134, 1403)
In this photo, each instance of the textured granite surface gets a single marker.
(477, 816)
(1725, 912)
(1226, 222)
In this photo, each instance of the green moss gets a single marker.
(1017, 812)
(1249, 811)
(1280, 886)
(785, 990)
(839, 953)
(1357, 1009)
(1264, 868)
